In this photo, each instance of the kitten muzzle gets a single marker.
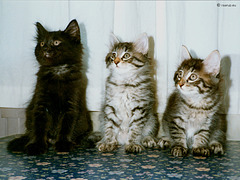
(117, 60)
(181, 83)
(48, 54)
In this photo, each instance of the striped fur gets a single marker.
(129, 113)
(192, 118)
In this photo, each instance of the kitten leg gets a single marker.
(150, 132)
(109, 141)
(38, 136)
(200, 144)
(216, 144)
(216, 148)
(163, 136)
(218, 139)
(134, 141)
(134, 136)
(134, 144)
(142, 127)
(64, 141)
(179, 143)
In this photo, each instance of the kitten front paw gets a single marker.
(134, 148)
(179, 151)
(148, 142)
(64, 146)
(107, 147)
(217, 148)
(36, 148)
(163, 143)
(201, 151)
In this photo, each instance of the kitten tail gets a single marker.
(18, 144)
(91, 140)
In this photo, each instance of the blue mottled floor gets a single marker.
(91, 164)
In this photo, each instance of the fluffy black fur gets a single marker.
(57, 113)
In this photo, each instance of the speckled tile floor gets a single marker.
(91, 164)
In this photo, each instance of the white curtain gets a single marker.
(202, 26)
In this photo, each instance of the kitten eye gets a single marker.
(42, 44)
(193, 77)
(180, 74)
(126, 56)
(113, 56)
(56, 43)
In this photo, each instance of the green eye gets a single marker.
(193, 77)
(126, 56)
(42, 44)
(56, 42)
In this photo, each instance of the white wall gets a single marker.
(202, 26)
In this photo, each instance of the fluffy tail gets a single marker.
(90, 140)
(18, 144)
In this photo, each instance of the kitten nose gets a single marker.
(117, 60)
(181, 83)
(47, 54)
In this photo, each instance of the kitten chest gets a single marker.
(195, 120)
(123, 99)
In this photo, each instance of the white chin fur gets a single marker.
(192, 96)
(121, 68)
(187, 91)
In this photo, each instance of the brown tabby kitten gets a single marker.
(129, 111)
(192, 118)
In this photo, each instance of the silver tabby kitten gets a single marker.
(192, 118)
(128, 116)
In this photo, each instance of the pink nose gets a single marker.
(117, 60)
(181, 83)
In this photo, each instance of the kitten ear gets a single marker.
(212, 63)
(141, 44)
(113, 40)
(185, 53)
(40, 29)
(73, 30)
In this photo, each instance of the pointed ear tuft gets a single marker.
(185, 53)
(40, 29)
(73, 30)
(113, 40)
(141, 44)
(212, 63)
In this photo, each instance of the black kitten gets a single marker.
(57, 112)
